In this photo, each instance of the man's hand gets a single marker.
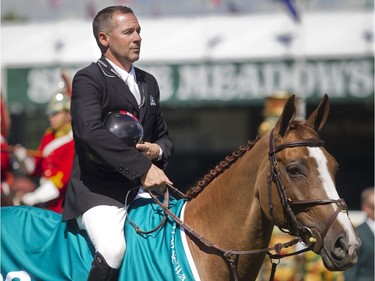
(150, 150)
(155, 179)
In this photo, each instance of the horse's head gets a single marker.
(302, 199)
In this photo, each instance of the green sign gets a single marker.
(248, 82)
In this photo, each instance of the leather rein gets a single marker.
(295, 228)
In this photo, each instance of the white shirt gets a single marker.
(370, 223)
(125, 76)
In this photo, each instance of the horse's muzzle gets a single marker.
(340, 254)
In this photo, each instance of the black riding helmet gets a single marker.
(125, 126)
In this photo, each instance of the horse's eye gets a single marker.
(293, 170)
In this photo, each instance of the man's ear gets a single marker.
(103, 39)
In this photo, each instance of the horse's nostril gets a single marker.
(340, 248)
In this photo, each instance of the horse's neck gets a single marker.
(228, 210)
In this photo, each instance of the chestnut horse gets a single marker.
(287, 179)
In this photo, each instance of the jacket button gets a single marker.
(121, 168)
(127, 171)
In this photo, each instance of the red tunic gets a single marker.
(56, 163)
(5, 159)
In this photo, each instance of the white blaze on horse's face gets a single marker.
(330, 189)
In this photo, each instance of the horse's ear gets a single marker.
(319, 117)
(289, 112)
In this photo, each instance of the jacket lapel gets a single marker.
(143, 90)
(119, 85)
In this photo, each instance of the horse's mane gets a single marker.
(297, 125)
(220, 168)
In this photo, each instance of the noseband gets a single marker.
(313, 239)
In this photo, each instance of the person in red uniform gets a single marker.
(5, 164)
(4, 173)
(54, 163)
(5, 159)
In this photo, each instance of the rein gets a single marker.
(295, 228)
(231, 256)
(136, 227)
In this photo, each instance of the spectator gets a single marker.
(363, 270)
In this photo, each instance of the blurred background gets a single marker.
(217, 62)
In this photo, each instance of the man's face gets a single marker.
(58, 120)
(124, 41)
(368, 207)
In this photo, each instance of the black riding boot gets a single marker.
(101, 271)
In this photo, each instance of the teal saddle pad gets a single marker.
(37, 245)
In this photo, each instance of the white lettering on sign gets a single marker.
(340, 79)
(361, 79)
(249, 81)
(43, 83)
(165, 80)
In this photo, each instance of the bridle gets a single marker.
(294, 227)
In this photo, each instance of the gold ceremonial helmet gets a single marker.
(273, 107)
(60, 101)
(274, 104)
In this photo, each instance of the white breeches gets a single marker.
(105, 228)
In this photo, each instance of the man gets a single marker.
(54, 162)
(96, 196)
(363, 270)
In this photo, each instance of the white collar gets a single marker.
(370, 223)
(123, 73)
